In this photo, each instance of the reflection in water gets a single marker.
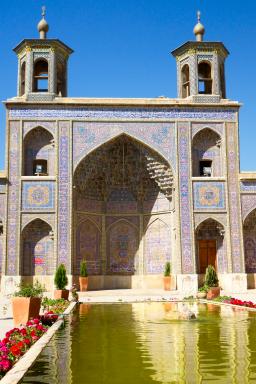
(147, 343)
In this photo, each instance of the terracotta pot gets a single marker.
(25, 308)
(61, 294)
(83, 283)
(167, 283)
(201, 295)
(213, 292)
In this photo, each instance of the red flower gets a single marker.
(15, 350)
(27, 341)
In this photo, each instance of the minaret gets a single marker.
(42, 66)
(200, 68)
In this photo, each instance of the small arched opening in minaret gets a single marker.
(22, 78)
(38, 158)
(204, 78)
(185, 81)
(40, 76)
(61, 80)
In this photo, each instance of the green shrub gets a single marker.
(167, 269)
(83, 269)
(30, 290)
(60, 278)
(211, 278)
(204, 288)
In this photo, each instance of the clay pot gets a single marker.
(167, 283)
(83, 283)
(24, 309)
(61, 294)
(201, 295)
(213, 292)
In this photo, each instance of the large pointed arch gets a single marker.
(249, 234)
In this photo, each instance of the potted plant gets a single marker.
(202, 292)
(211, 281)
(61, 281)
(26, 302)
(83, 278)
(167, 276)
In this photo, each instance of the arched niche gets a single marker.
(207, 159)
(210, 246)
(22, 78)
(157, 247)
(249, 233)
(88, 247)
(38, 153)
(122, 248)
(37, 256)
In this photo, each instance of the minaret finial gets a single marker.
(43, 26)
(43, 10)
(199, 28)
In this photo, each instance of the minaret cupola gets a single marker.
(42, 66)
(200, 68)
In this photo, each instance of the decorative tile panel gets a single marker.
(217, 127)
(49, 125)
(248, 186)
(248, 203)
(13, 199)
(124, 113)
(64, 196)
(27, 218)
(2, 206)
(234, 203)
(209, 195)
(185, 193)
(37, 196)
(159, 136)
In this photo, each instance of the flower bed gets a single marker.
(234, 301)
(18, 340)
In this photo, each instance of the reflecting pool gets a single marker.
(148, 343)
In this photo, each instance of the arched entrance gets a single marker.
(118, 188)
(210, 245)
(249, 231)
(37, 249)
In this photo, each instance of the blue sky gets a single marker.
(122, 49)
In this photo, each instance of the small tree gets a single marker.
(60, 278)
(167, 269)
(211, 278)
(83, 269)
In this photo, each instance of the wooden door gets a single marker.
(207, 254)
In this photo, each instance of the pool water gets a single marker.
(149, 343)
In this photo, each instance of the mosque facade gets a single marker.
(126, 184)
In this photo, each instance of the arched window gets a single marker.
(22, 78)
(204, 78)
(206, 154)
(185, 81)
(222, 81)
(38, 153)
(41, 76)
